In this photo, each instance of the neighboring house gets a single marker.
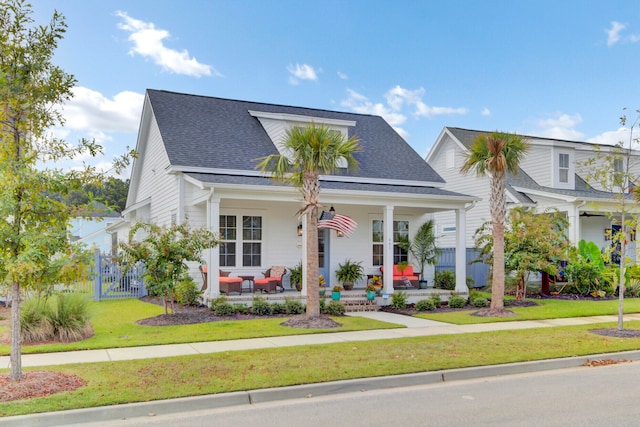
(552, 175)
(93, 231)
(197, 159)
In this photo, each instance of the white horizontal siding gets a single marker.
(538, 164)
(469, 184)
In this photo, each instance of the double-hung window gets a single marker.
(400, 233)
(245, 246)
(563, 168)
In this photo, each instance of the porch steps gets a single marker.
(359, 304)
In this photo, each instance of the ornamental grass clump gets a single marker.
(60, 317)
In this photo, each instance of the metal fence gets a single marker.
(112, 280)
(477, 270)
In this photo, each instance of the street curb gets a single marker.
(144, 409)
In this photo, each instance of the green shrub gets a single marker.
(292, 306)
(456, 301)
(425, 305)
(186, 292)
(399, 300)
(240, 308)
(435, 299)
(260, 307)
(277, 308)
(224, 309)
(445, 279)
(61, 317)
(334, 308)
(322, 304)
(215, 302)
(479, 301)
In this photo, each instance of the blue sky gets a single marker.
(560, 69)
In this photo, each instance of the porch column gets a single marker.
(573, 215)
(213, 260)
(180, 216)
(387, 253)
(461, 250)
(305, 253)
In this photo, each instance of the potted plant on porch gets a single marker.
(349, 272)
(371, 293)
(296, 276)
(423, 248)
(335, 293)
(322, 283)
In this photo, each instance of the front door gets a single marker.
(323, 254)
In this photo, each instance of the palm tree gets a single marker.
(495, 154)
(309, 152)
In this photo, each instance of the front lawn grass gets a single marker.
(153, 379)
(114, 325)
(546, 309)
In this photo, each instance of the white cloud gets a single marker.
(343, 76)
(397, 98)
(613, 137)
(90, 111)
(361, 104)
(424, 110)
(301, 72)
(148, 42)
(560, 126)
(486, 112)
(614, 34)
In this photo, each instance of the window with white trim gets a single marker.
(400, 232)
(563, 168)
(251, 241)
(228, 237)
(245, 246)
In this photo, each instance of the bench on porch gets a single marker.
(406, 279)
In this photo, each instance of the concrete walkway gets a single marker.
(415, 327)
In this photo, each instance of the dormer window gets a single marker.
(563, 168)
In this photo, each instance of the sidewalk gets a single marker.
(415, 327)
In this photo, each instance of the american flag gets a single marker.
(337, 222)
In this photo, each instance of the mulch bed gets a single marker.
(37, 384)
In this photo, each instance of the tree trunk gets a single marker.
(313, 283)
(546, 286)
(498, 211)
(310, 193)
(15, 357)
(497, 284)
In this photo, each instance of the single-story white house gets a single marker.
(197, 159)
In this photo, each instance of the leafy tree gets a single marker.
(533, 243)
(312, 150)
(164, 252)
(34, 244)
(613, 170)
(494, 154)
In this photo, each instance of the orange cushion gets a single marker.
(230, 280)
(408, 271)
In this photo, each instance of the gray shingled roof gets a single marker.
(523, 180)
(209, 132)
(329, 185)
